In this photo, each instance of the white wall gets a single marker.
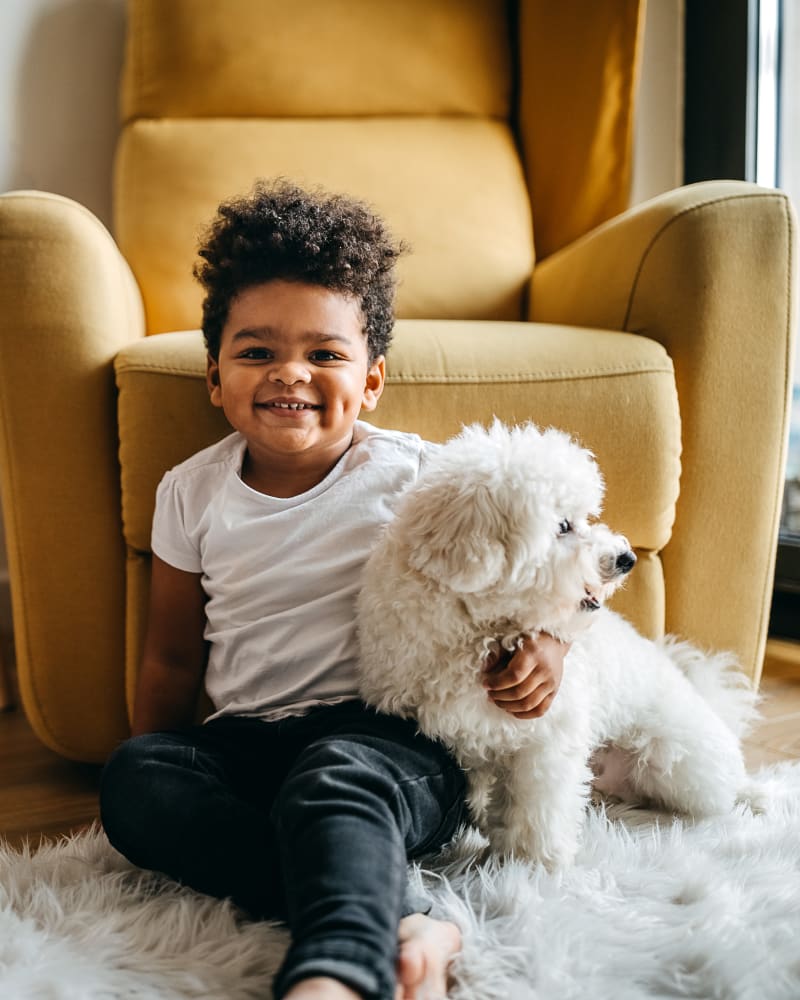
(658, 139)
(59, 69)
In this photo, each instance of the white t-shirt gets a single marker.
(281, 575)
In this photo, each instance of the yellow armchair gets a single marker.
(496, 139)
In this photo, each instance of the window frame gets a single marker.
(721, 107)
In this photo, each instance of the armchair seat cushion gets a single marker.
(614, 391)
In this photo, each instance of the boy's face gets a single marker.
(293, 371)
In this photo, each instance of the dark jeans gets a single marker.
(310, 819)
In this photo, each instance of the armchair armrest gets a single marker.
(68, 303)
(709, 271)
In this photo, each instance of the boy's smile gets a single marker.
(292, 376)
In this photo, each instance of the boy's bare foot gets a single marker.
(427, 947)
(321, 988)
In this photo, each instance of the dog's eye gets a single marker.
(564, 527)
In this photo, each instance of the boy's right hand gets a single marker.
(525, 682)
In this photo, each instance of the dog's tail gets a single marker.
(719, 679)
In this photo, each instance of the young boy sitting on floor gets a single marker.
(293, 798)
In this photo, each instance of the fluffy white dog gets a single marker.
(496, 541)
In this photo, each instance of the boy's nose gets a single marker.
(290, 373)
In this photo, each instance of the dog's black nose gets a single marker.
(625, 562)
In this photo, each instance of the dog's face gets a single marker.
(503, 518)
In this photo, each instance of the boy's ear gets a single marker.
(373, 387)
(212, 381)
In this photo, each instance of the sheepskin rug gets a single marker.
(654, 907)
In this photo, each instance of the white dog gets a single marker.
(494, 542)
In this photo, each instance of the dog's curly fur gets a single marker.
(496, 541)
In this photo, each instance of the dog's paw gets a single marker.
(759, 793)
(528, 845)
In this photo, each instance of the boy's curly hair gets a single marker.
(282, 231)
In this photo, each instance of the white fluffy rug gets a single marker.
(653, 908)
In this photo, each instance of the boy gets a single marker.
(292, 798)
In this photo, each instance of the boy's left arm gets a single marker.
(525, 682)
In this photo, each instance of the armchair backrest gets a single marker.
(481, 129)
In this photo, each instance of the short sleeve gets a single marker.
(428, 451)
(170, 539)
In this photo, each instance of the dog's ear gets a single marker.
(455, 536)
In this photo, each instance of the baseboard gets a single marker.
(784, 618)
(5, 602)
(782, 658)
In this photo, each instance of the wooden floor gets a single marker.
(778, 736)
(43, 795)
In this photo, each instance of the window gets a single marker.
(742, 120)
(777, 154)
(788, 178)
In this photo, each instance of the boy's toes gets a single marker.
(426, 948)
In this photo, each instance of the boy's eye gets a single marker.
(255, 354)
(322, 355)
